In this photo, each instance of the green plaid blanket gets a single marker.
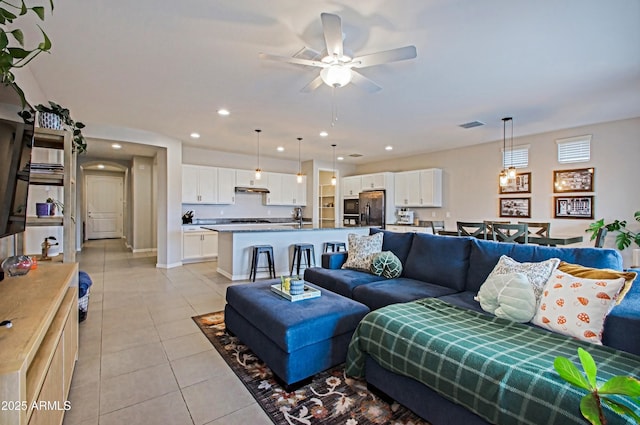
(501, 370)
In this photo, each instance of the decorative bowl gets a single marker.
(17, 265)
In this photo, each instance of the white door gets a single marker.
(104, 206)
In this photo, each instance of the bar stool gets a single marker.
(334, 246)
(257, 250)
(298, 249)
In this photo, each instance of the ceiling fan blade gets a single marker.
(364, 83)
(393, 55)
(332, 28)
(314, 84)
(296, 61)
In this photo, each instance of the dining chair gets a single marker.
(510, 232)
(477, 230)
(600, 236)
(490, 223)
(540, 229)
(436, 226)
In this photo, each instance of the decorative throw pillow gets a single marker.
(361, 251)
(581, 271)
(577, 306)
(386, 264)
(509, 296)
(538, 273)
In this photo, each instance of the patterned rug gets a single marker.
(331, 398)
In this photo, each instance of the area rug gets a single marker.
(331, 398)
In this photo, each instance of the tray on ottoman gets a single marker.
(296, 340)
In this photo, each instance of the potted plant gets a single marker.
(13, 53)
(64, 117)
(624, 237)
(55, 203)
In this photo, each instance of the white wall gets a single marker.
(142, 184)
(470, 178)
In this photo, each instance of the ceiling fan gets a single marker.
(338, 67)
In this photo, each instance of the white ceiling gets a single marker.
(166, 67)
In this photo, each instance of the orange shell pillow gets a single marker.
(590, 273)
(577, 306)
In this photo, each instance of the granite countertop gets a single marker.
(269, 228)
(245, 221)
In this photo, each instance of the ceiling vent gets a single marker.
(472, 124)
(355, 155)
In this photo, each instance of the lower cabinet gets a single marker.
(199, 245)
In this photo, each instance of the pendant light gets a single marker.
(511, 172)
(258, 169)
(299, 175)
(504, 175)
(334, 181)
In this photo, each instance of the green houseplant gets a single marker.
(79, 142)
(591, 403)
(624, 238)
(13, 53)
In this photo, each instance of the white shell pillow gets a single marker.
(509, 296)
(538, 273)
(577, 306)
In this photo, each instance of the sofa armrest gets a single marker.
(624, 320)
(333, 260)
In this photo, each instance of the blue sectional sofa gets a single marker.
(452, 269)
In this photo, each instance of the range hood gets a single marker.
(251, 189)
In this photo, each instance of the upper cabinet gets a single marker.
(207, 185)
(247, 178)
(378, 181)
(418, 188)
(284, 189)
(351, 186)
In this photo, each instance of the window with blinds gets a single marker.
(517, 157)
(574, 149)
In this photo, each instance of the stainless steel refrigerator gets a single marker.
(372, 207)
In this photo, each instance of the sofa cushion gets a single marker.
(361, 251)
(595, 273)
(464, 299)
(509, 296)
(392, 291)
(386, 264)
(340, 281)
(538, 272)
(398, 243)
(484, 256)
(577, 306)
(441, 260)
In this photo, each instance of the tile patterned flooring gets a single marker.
(142, 360)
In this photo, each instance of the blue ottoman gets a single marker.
(295, 339)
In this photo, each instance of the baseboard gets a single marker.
(168, 266)
(136, 251)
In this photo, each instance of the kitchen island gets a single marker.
(235, 245)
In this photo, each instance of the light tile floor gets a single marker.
(142, 360)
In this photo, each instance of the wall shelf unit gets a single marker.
(327, 204)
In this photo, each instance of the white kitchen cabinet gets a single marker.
(199, 184)
(284, 189)
(378, 181)
(418, 188)
(351, 186)
(226, 186)
(198, 244)
(247, 178)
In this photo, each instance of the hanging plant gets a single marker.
(13, 53)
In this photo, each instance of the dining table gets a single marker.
(551, 240)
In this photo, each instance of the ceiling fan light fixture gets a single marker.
(336, 75)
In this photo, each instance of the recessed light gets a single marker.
(223, 112)
(280, 149)
(116, 146)
(323, 134)
(340, 158)
(195, 135)
(101, 166)
(388, 148)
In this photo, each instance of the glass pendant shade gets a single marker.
(299, 175)
(511, 172)
(258, 173)
(504, 178)
(334, 180)
(258, 169)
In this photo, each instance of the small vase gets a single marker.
(18, 265)
(50, 120)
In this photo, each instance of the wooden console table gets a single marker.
(38, 354)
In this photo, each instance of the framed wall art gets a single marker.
(520, 184)
(578, 180)
(515, 207)
(573, 207)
